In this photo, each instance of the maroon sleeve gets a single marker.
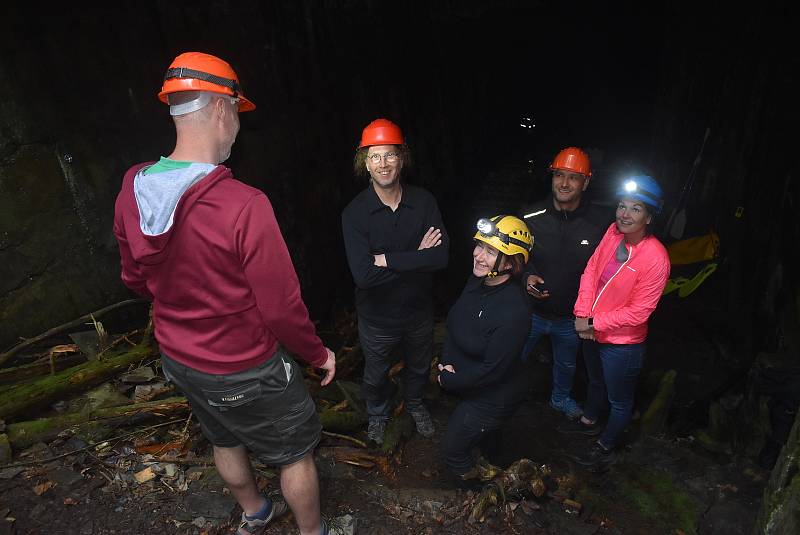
(131, 272)
(269, 270)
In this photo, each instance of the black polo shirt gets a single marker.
(400, 294)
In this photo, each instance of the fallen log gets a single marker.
(342, 421)
(26, 433)
(23, 434)
(399, 427)
(33, 395)
(352, 393)
(37, 369)
(655, 417)
(69, 325)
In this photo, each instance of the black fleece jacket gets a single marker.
(486, 329)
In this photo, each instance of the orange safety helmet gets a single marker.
(381, 132)
(572, 159)
(195, 71)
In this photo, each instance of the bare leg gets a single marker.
(300, 488)
(233, 465)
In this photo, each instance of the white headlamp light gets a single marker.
(485, 227)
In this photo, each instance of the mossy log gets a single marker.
(342, 421)
(399, 427)
(655, 417)
(23, 398)
(37, 369)
(24, 434)
(66, 326)
(352, 393)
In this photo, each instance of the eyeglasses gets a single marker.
(390, 157)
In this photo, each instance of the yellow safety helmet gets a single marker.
(507, 234)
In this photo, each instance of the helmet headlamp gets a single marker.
(486, 227)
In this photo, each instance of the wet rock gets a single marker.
(729, 518)
(65, 478)
(214, 506)
(87, 528)
(11, 473)
(148, 392)
(138, 376)
(345, 524)
(5, 449)
(328, 468)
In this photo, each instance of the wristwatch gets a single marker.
(591, 323)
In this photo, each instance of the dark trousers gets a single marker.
(613, 371)
(380, 346)
(472, 425)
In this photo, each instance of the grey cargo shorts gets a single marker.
(267, 408)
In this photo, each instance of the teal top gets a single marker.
(165, 164)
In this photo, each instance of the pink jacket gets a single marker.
(223, 286)
(620, 309)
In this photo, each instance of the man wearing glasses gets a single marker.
(394, 240)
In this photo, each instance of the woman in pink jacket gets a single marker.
(620, 288)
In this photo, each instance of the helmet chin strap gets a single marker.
(495, 270)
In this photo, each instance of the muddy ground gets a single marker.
(663, 484)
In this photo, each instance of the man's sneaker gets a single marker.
(596, 459)
(252, 526)
(577, 427)
(568, 406)
(376, 429)
(423, 420)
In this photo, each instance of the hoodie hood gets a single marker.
(157, 195)
(161, 201)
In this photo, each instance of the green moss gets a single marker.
(642, 496)
(655, 416)
(656, 496)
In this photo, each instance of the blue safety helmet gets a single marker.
(642, 188)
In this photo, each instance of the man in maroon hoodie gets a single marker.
(227, 308)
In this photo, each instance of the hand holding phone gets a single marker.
(535, 287)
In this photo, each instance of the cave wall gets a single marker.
(78, 106)
(733, 72)
(77, 96)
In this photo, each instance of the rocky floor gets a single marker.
(662, 485)
(668, 483)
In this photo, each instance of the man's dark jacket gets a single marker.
(563, 241)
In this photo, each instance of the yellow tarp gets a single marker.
(691, 250)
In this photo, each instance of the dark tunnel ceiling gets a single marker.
(585, 74)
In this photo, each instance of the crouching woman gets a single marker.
(486, 329)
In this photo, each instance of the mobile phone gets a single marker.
(536, 289)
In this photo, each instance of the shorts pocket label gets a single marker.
(234, 396)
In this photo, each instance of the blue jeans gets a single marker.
(565, 344)
(613, 371)
(380, 346)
